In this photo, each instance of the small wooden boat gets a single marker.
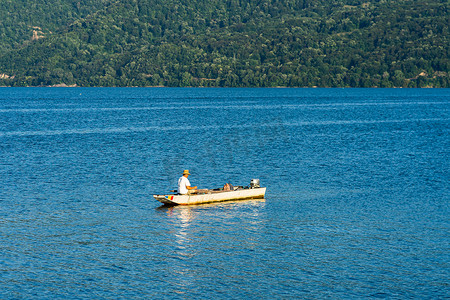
(208, 196)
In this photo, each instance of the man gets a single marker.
(184, 186)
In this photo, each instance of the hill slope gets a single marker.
(20, 20)
(241, 43)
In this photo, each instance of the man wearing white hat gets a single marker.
(184, 186)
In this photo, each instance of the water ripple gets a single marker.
(208, 127)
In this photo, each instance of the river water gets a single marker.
(357, 202)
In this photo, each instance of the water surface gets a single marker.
(356, 205)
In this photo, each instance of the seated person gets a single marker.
(228, 187)
(184, 186)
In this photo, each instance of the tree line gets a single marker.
(237, 43)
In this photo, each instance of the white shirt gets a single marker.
(183, 182)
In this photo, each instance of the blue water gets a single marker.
(357, 202)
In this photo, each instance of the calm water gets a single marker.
(357, 204)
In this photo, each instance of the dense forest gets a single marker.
(228, 43)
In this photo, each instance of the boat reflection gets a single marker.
(184, 215)
(198, 233)
(170, 208)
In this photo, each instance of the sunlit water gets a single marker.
(357, 201)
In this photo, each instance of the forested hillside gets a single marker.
(19, 19)
(234, 43)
